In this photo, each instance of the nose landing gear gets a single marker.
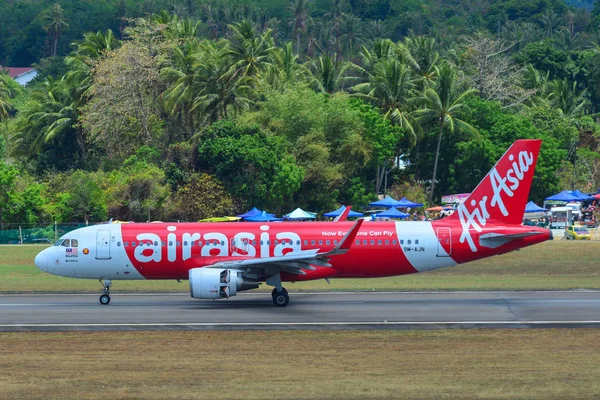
(105, 297)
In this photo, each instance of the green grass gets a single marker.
(556, 264)
(448, 364)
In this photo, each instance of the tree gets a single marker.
(298, 21)
(123, 113)
(326, 75)
(446, 106)
(393, 88)
(5, 96)
(203, 196)
(55, 24)
(249, 50)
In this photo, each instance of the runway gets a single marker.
(348, 310)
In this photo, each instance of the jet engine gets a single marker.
(213, 283)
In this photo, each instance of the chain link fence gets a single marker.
(35, 233)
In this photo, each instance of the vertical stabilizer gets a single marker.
(502, 195)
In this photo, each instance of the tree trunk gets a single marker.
(298, 43)
(435, 164)
(55, 44)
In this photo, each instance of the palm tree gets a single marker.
(96, 45)
(551, 21)
(326, 75)
(220, 88)
(565, 96)
(56, 22)
(352, 35)
(50, 116)
(393, 88)
(284, 67)
(5, 95)
(423, 53)
(298, 21)
(445, 108)
(182, 82)
(248, 49)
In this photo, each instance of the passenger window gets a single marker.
(222, 243)
(74, 243)
(387, 242)
(379, 242)
(156, 243)
(276, 241)
(358, 242)
(132, 244)
(178, 243)
(170, 243)
(312, 242)
(199, 243)
(320, 242)
(254, 243)
(118, 244)
(372, 241)
(67, 243)
(297, 243)
(306, 242)
(408, 241)
(125, 244)
(335, 241)
(185, 243)
(327, 242)
(365, 241)
(402, 241)
(417, 241)
(394, 241)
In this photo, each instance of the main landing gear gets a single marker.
(279, 294)
(105, 297)
(280, 298)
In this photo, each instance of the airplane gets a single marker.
(222, 259)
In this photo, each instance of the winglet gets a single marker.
(344, 244)
(342, 217)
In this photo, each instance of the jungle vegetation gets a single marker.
(185, 109)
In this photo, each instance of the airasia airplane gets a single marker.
(221, 259)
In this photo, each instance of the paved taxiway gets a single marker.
(350, 310)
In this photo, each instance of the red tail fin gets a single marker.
(502, 195)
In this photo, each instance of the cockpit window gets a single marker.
(67, 243)
(59, 242)
(74, 243)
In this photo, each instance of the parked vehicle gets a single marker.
(561, 217)
(588, 219)
(577, 233)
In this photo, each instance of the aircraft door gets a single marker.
(103, 245)
(444, 247)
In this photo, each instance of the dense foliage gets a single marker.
(181, 110)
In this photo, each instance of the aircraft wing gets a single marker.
(293, 263)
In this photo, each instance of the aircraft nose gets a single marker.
(41, 260)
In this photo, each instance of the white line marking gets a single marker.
(382, 323)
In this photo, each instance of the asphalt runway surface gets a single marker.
(317, 311)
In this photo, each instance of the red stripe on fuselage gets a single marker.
(378, 258)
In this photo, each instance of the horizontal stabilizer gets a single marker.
(493, 240)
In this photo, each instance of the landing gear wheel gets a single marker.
(104, 299)
(280, 299)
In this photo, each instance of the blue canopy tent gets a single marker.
(392, 213)
(531, 207)
(299, 214)
(582, 196)
(340, 210)
(251, 213)
(404, 202)
(387, 202)
(565, 195)
(263, 217)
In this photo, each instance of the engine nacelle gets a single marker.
(212, 283)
